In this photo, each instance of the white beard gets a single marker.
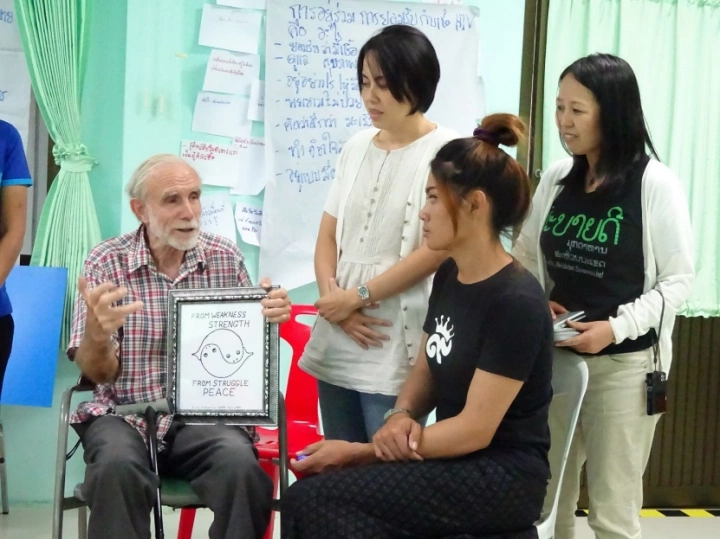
(166, 236)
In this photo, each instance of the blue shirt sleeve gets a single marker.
(13, 164)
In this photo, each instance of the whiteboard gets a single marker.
(313, 106)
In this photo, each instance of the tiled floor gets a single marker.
(26, 523)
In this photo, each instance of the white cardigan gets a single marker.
(414, 301)
(667, 248)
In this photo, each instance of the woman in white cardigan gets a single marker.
(609, 234)
(371, 266)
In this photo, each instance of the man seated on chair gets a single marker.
(119, 342)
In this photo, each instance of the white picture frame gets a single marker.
(222, 357)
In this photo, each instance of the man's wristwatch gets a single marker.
(364, 294)
(392, 411)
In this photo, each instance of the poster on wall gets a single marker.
(314, 106)
(15, 86)
(230, 29)
(248, 218)
(231, 72)
(222, 360)
(217, 215)
(9, 33)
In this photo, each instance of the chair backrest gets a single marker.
(301, 396)
(38, 296)
(570, 379)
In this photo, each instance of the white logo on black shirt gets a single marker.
(439, 343)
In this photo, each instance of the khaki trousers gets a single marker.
(613, 438)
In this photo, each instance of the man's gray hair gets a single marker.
(136, 187)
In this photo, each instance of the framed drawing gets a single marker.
(222, 357)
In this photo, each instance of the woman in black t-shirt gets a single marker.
(482, 468)
(609, 234)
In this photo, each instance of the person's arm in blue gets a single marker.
(14, 183)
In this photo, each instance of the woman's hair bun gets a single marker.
(496, 129)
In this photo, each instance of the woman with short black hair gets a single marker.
(370, 252)
(408, 63)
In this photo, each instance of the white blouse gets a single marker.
(373, 230)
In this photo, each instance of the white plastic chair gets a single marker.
(570, 379)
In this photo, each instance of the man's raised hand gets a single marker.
(104, 316)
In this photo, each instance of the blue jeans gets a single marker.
(351, 415)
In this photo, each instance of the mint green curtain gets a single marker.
(53, 33)
(674, 49)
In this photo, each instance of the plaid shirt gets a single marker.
(215, 262)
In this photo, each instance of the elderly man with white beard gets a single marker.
(119, 342)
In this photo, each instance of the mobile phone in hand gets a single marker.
(561, 321)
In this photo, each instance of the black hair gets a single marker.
(624, 133)
(408, 62)
(467, 164)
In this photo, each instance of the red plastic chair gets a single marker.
(301, 405)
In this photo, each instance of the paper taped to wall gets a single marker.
(217, 216)
(221, 114)
(231, 29)
(231, 72)
(252, 165)
(248, 218)
(216, 164)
